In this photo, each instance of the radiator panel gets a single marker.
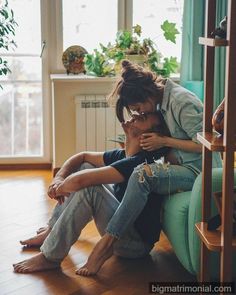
(96, 123)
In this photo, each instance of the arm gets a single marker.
(153, 141)
(182, 144)
(89, 177)
(188, 117)
(72, 165)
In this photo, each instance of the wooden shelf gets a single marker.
(213, 42)
(212, 239)
(213, 141)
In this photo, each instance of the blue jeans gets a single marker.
(164, 179)
(68, 220)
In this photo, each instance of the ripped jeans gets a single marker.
(163, 179)
(95, 202)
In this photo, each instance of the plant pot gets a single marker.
(134, 58)
(139, 59)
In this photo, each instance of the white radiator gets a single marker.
(96, 124)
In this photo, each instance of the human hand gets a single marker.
(152, 141)
(60, 200)
(53, 186)
(61, 192)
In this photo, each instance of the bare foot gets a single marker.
(36, 240)
(41, 229)
(36, 263)
(101, 252)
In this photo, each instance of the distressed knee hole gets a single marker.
(147, 170)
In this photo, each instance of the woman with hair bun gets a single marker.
(141, 91)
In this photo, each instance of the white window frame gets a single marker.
(124, 19)
(46, 102)
(52, 33)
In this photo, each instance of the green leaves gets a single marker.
(96, 64)
(124, 39)
(170, 31)
(129, 44)
(170, 64)
(137, 30)
(7, 31)
(112, 53)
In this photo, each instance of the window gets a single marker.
(151, 14)
(90, 22)
(21, 96)
(25, 118)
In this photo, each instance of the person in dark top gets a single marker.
(83, 195)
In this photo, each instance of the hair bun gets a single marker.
(126, 64)
(130, 71)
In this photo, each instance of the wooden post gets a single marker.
(229, 140)
(207, 127)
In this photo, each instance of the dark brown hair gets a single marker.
(136, 85)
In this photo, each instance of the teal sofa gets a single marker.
(180, 213)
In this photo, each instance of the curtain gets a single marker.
(192, 66)
(192, 59)
(219, 85)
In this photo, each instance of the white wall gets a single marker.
(64, 90)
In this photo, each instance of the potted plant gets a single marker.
(130, 45)
(7, 31)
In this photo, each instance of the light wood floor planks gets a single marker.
(24, 207)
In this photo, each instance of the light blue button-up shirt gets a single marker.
(183, 114)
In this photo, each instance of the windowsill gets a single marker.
(87, 78)
(80, 78)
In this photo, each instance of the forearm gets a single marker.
(70, 166)
(182, 144)
(89, 177)
(67, 168)
(71, 184)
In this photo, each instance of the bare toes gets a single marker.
(82, 272)
(18, 263)
(17, 268)
(20, 269)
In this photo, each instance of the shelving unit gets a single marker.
(223, 240)
(212, 42)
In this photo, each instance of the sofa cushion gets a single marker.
(175, 225)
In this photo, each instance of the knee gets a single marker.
(141, 172)
(86, 165)
(147, 169)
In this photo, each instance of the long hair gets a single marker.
(136, 85)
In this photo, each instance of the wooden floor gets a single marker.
(24, 207)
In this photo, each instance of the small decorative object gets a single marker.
(73, 59)
(220, 32)
(218, 118)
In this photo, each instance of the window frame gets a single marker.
(124, 19)
(46, 102)
(52, 33)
